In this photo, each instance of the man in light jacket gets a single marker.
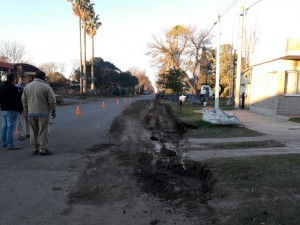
(38, 100)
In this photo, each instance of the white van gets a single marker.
(203, 90)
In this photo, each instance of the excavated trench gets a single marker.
(145, 151)
(166, 173)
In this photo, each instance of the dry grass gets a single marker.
(190, 113)
(265, 189)
(257, 190)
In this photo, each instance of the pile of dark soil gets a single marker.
(136, 161)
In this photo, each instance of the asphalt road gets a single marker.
(33, 188)
(70, 132)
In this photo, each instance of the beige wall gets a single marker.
(267, 89)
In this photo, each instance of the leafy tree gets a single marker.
(109, 79)
(105, 65)
(161, 81)
(226, 63)
(104, 72)
(127, 81)
(75, 76)
(57, 80)
(175, 80)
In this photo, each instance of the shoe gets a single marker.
(13, 148)
(21, 138)
(27, 135)
(4, 146)
(47, 152)
(36, 152)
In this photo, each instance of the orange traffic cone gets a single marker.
(77, 111)
(118, 102)
(103, 105)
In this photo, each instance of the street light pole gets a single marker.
(239, 61)
(218, 68)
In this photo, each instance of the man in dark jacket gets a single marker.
(11, 106)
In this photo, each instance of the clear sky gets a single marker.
(49, 30)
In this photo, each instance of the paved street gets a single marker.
(33, 188)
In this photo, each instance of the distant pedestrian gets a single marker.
(38, 100)
(11, 106)
(23, 126)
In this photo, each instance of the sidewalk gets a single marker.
(275, 128)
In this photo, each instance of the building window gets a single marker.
(292, 83)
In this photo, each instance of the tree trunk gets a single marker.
(80, 43)
(190, 84)
(84, 59)
(177, 66)
(92, 66)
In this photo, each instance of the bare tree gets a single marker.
(170, 53)
(144, 81)
(181, 50)
(199, 39)
(52, 67)
(12, 52)
(251, 35)
(197, 58)
(226, 63)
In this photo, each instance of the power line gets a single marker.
(147, 10)
(212, 27)
(224, 14)
(229, 8)
(246, 10)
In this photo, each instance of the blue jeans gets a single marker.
(9, 123)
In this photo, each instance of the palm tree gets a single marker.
(82, 9)
(86, 13)
(76, 6)
(92, 26)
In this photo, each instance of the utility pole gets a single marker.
(239, 61)
(231, 81)
(233, 73)
(84, 64)
(218, 68)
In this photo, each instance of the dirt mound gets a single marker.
(144, 157)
